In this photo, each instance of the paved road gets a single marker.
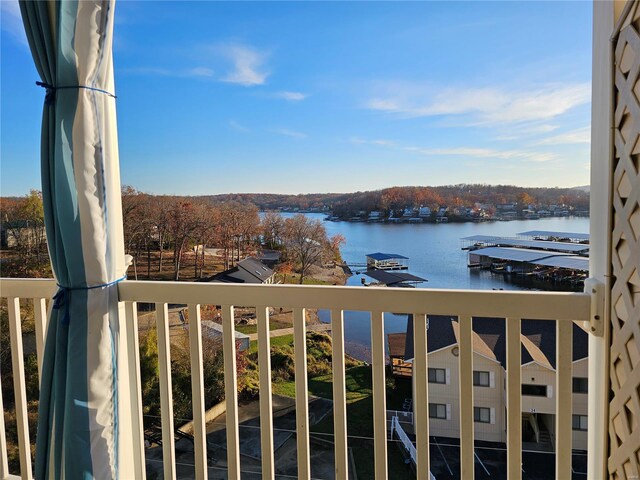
(320, 327)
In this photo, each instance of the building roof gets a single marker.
(213, 330)
(570, 262)
(393, 278)
(396, 344)
(249, 270)
(515, 254)
(385, 256)
(538, 244)
(538, 339)
(550, 233)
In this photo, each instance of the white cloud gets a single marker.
(289, 133)
(482, 106)
(291, 96)
(248, 65)
(533, 156)
(196, 72)
(200, 72)
(11, 20)
(238, 127)
(376, 142)
(581, 135)
(467, 152)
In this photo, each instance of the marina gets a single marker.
(547, 260)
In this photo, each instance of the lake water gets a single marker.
(435, 253)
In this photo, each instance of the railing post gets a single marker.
(302, 393)
(131, 360)
(421, 397)
(339, 396)
(600, 231)
(20, 389)
(379, 395)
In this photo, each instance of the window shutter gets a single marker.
(448, 411)
(492, 379)
(447, 376)
(493, 416)
(549, 391)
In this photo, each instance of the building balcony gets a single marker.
(564, 310)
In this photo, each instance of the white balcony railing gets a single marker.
(513, 306)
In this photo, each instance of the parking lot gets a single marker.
(491, 462)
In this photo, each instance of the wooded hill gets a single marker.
(462, 195)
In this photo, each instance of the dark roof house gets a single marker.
(249, 270)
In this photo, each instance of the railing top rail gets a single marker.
(477, 303)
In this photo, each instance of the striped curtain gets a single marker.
(71, 44)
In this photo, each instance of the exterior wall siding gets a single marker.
(494, 397)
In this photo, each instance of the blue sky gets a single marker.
(296, 97)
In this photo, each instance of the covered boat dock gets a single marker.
(387, 261)
(552, 235)
(393, 279)
(478, 241)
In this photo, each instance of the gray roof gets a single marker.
(539, 244)
(515, 254)
(386, 256)
(393, 278)
(542, 333)
(212, 329)
(249, 270)
(572, 262)
(550, 233)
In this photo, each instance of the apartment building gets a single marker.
(538, 341)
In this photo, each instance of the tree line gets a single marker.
(414, 196)
(161, 232)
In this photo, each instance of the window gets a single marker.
(481, 415)
(579, 422)
(481, 379)
(438, 410)
(534, 390)
(437, 375)
(580, 385)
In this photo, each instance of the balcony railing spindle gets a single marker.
(266, 409)
(466, 398)
(421, 407)
(564, 390)
(231, 392)
(379, 394)
(137, 427)
(302, 393)
(19, 386)
(40, 319)
(166, 397)
(514, 400)
(197, 392)
(339, 396)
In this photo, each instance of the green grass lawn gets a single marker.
(273, 325)
(284, 340)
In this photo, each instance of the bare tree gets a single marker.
(305, 242)
(183, 223)
(272, 228)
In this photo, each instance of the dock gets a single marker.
(386, 261)
(548, 260)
